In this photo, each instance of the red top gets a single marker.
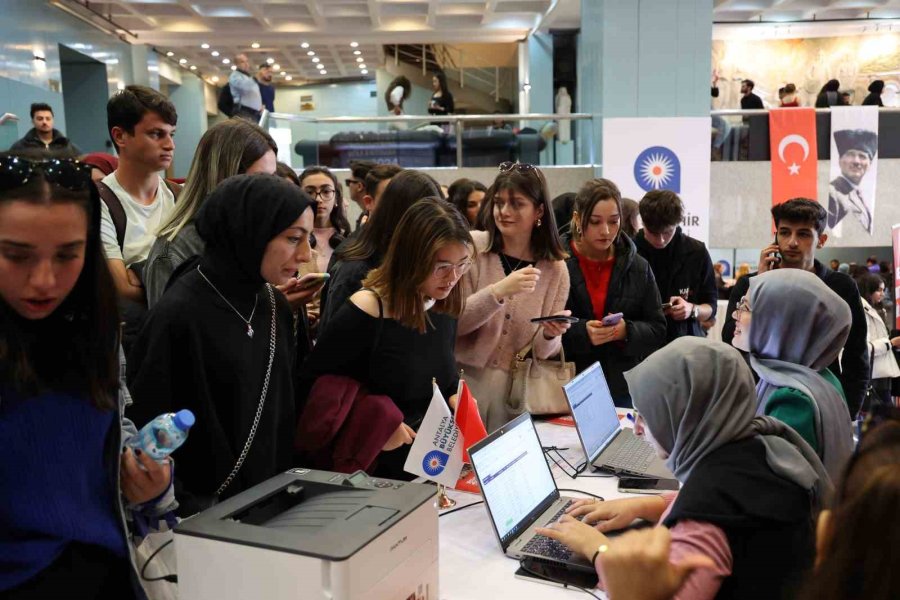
(596, 276)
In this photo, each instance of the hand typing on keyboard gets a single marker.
(617, 514)
(574, 535)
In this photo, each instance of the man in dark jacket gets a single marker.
(800, 229)
(43, 139)
(681, 265)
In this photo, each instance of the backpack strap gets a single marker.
(116, 211)
(175, 188)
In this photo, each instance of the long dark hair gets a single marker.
(868, 284)
(75, 349)
(442, 81)
(459, 191)
(592, 192)
(338, 218)
(405, 189)
(403, 82)
(530, 182)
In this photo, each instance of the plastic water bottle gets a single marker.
(164, 434)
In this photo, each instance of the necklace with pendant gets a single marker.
(216, 290)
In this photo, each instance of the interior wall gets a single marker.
(84, 96)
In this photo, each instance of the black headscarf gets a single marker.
(241, 217)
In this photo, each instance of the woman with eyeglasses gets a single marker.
(221, 341)
(332, 226)
(70, 491)
(609, 277)
(519, 274)
(396, 334)
(793, 326)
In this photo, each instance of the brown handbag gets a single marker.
(536, 385)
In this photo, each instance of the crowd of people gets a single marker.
(247, 297)
(830, 95)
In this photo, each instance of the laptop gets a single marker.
(520, 494)
(606, 444)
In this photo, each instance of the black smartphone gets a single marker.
(560, 318)
(642, 485)
(666, 305)
(555, 574)
(777, 255)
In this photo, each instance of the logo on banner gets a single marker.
(658, 168)
(434, 462)
(793, 168)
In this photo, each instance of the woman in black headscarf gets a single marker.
(220, 341)
(874, 97)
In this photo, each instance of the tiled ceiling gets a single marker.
(281, 27)
(796, 10)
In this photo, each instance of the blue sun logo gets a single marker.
(434, 462)
(658, 168)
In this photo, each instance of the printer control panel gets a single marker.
(359, 479)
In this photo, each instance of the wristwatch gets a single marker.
(696, 312)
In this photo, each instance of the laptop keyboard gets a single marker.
(633, 454)
(541, 545)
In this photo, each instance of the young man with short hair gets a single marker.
(42, 138)
(681, 265)
(266, 89)
(141, 125)
(356, 185)
(800, 230)
(377, 179)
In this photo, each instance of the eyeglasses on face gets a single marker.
(509, 165)
(326, 193)
(743, 306)
(67, 173)
(443, 269)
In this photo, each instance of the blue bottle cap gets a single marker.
(184, 419)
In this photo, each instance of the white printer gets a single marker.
(313, 535)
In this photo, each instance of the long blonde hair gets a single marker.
(227, 148)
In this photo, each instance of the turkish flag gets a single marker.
(468, 420)
(792, 135)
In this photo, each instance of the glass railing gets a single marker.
(744, 134)
(420, 141)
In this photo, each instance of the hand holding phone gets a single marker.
(770, 257)
(311, 280)
(556, 318)
(611, 319)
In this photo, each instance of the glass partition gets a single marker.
(420, 141)
(9, 130)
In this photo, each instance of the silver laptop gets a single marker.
(607, 445)
(520, 493)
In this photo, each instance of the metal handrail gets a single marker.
(737, 112)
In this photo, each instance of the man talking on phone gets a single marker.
(800, 231)
(681, 265)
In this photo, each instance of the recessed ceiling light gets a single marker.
(364, 72)
(193, 67)
(283, 73)
(204, 46)
(360, 59)
(182, 61)
(353, 44)
(276, 67)
(234, 67)
(215, 79)
(170, 54)
(362, 66)
(316, 59)
(357, 52)
(254, 45)
(310, 53)
(304, 45)
(323, 72)
(289, 78)
(226, 61)
(215, 53)
(270, 60)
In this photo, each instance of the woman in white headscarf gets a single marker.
(750, 484)
(798, 328)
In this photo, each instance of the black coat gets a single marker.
(852, 368)
(633, 292)
(59, 147)
(682, 265)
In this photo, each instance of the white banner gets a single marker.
(641, 155)
(854, 168)
(437, 451)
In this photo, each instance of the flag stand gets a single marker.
(443, 500)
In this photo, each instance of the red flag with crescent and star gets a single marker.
(792, 136)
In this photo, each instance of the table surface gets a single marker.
(472, 564)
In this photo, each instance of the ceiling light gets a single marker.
(364, 72)
(170, 53)
(283, 73)
(226, 61)
(362, 66)
(323, 72)
(357, 52)
(276, 67)
(316, 59)
(270, 60)
(304, 45)
(215, 79)
(254, 45)
(182, 61)
(354, 44)
(310, 53)
(193, 67)
(215, 53)
(204, 46)
(289, 78)
(234, 67)
(360, 59)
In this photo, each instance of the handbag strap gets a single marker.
(262, 401)
(521, 354)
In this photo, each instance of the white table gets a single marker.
(471, 563)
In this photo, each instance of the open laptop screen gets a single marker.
(514, 476)
(593, 409)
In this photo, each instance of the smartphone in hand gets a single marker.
(776, 255)
(609, 320)
(311, 280)
(558, 318)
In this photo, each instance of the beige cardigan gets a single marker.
(489, 332)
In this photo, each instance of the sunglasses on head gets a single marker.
(509, 165)
(67, 173)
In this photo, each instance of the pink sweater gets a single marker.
(489, 332)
